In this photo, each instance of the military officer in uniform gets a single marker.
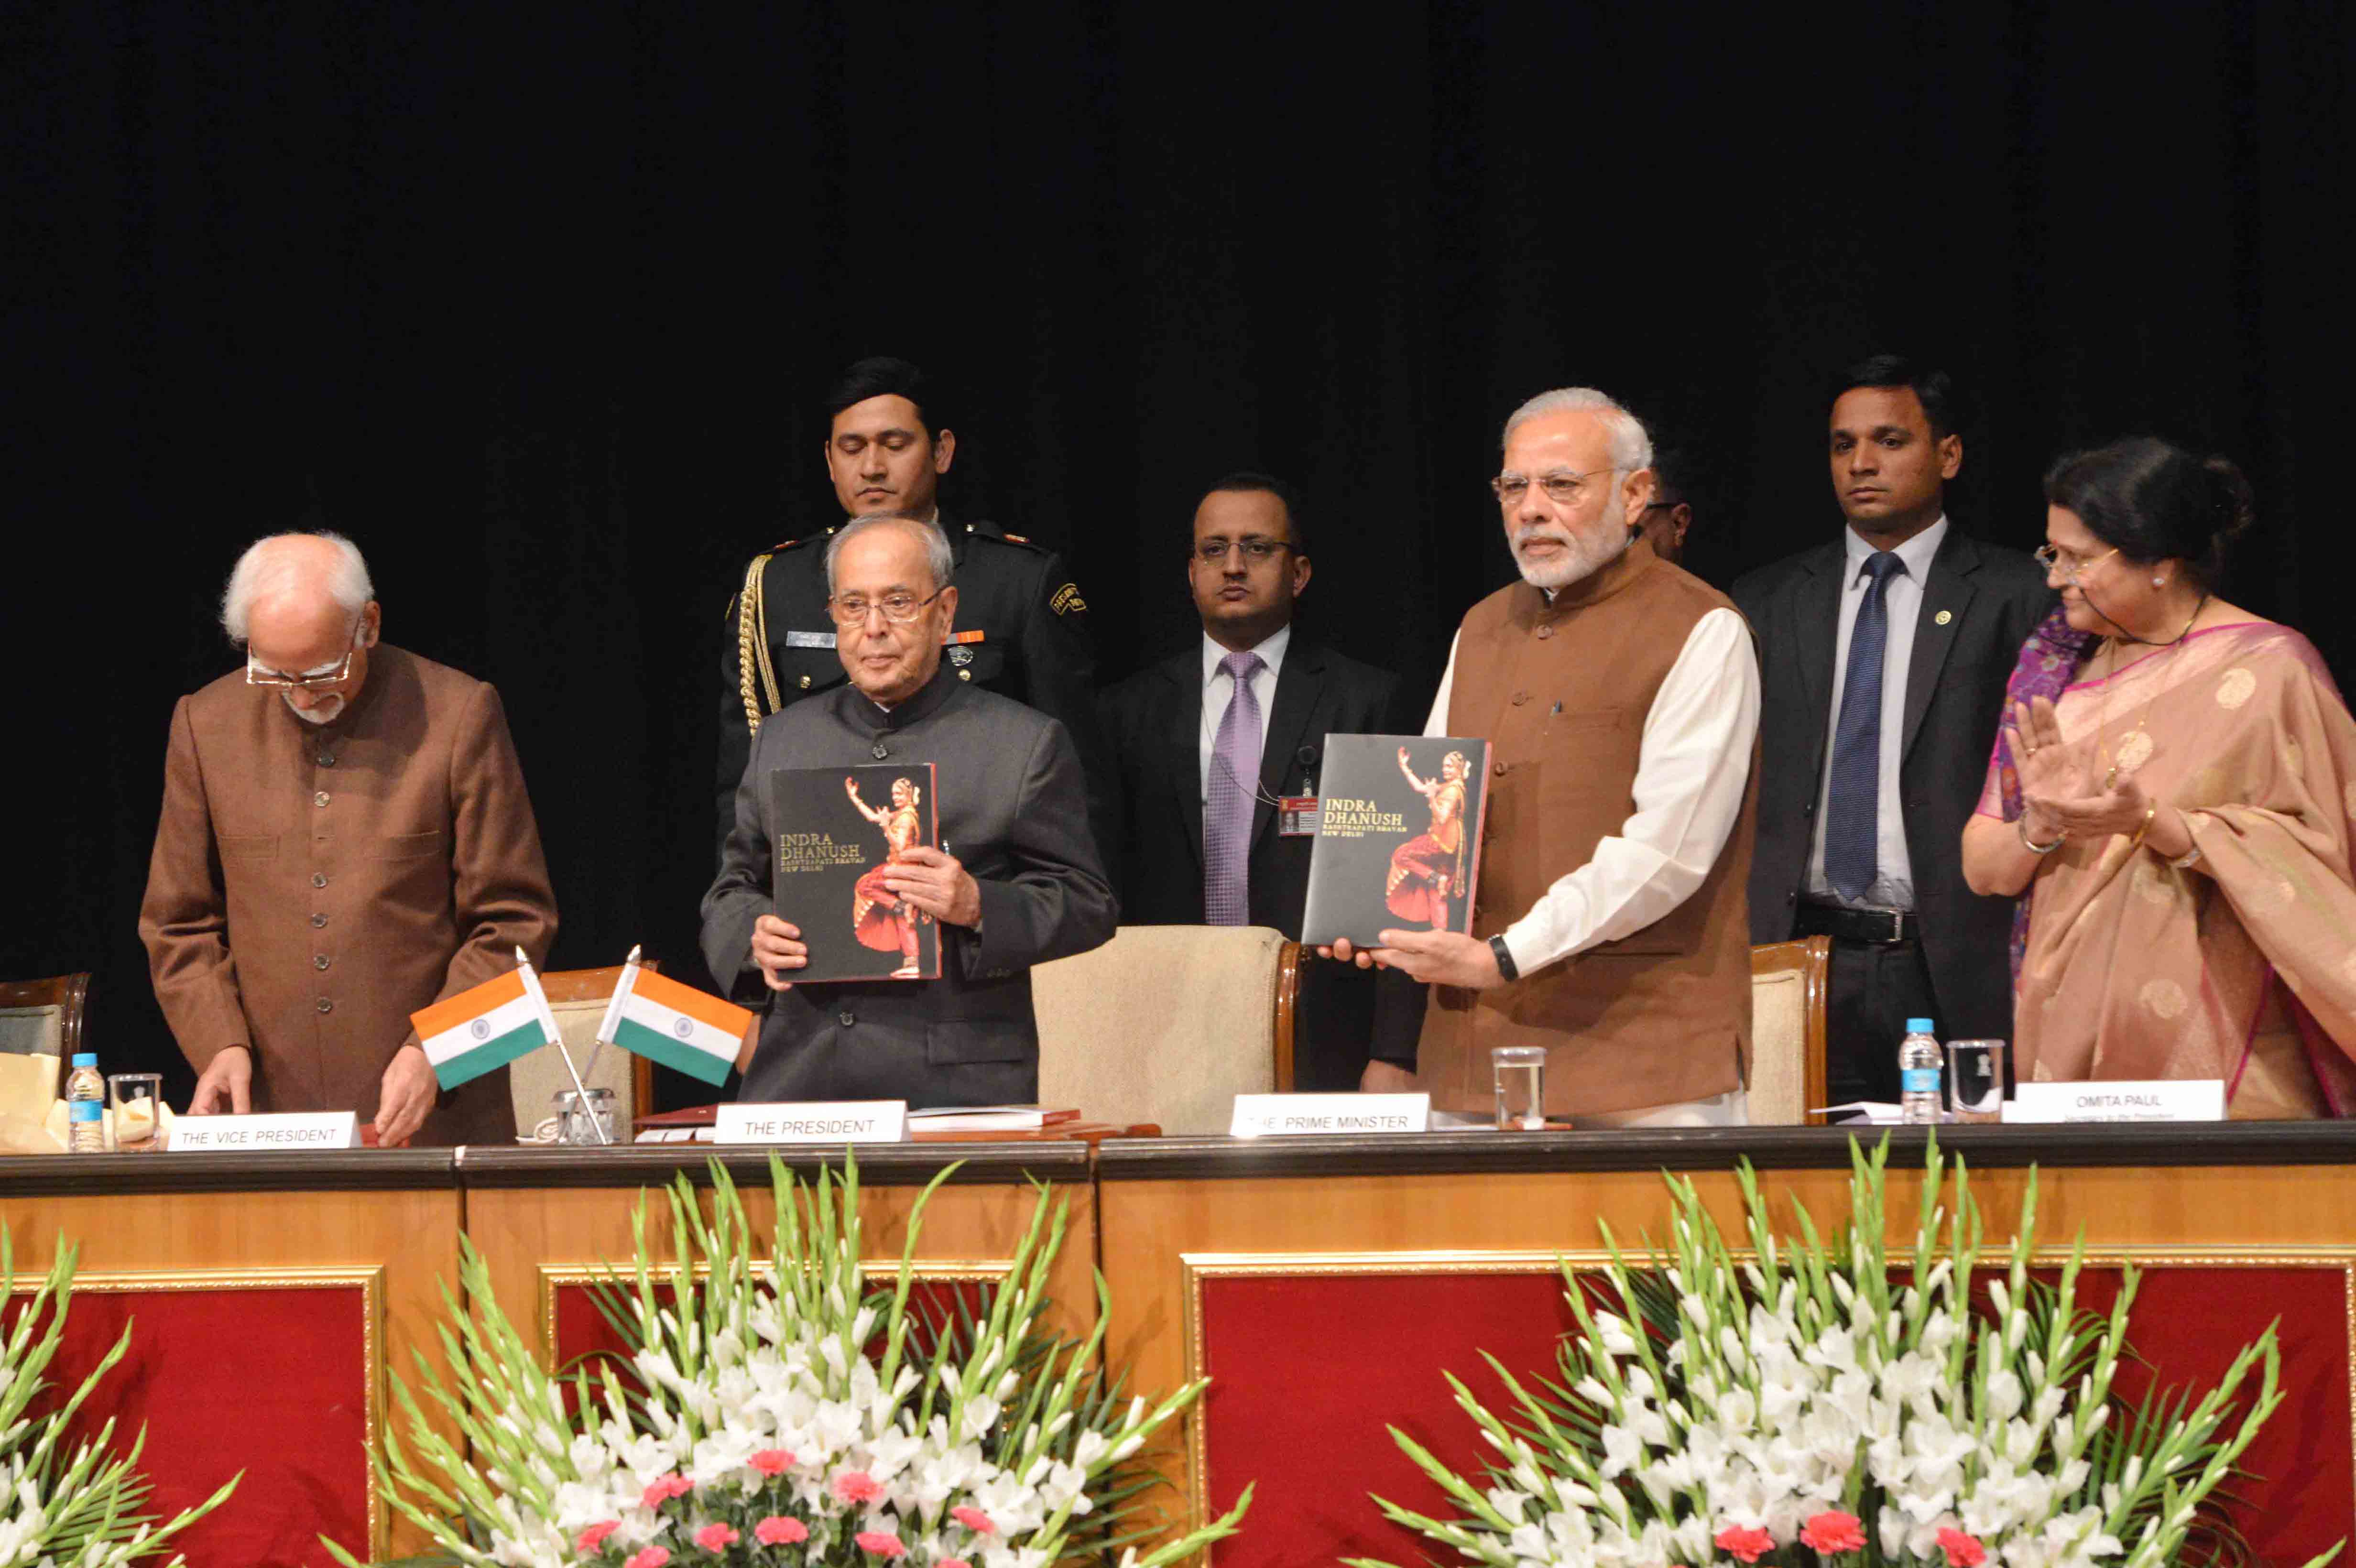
(1021, 627)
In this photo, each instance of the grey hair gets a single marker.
(261, 570)
(1631, 445)
(937, 544)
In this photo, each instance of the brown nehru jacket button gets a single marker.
(1520, 697)
(325, 1006)
(320, 798)
(318, 879)
(326, 759)
(1500, 770)
(1545, 632)
(320, 961)
(317, 921)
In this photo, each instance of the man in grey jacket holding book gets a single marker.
(1016, 880)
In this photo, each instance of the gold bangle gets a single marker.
(2034, 848)
(2151, 812)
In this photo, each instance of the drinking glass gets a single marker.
(576, 1127)
(136, 1100)
(1976, 1079)
(1520, 1073)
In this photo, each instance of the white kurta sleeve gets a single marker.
(1692, 768)
(1438, 723)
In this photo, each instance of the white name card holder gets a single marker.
(2165, 1099)
(1298, 1115)
(814, 1121)
(256, 1134)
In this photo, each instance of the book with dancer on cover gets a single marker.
(839, 830)
(1398, 837)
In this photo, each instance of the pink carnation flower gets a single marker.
(716, 1537)
(778, 1531)
(1963, 1550)
(664, 1487)
(883, 1543)
(652, 1557)
(856, 1486)
(594, 1536)
(1748, 1543)
(1834, 1531)
(974, 1520)
(771, 1461)
(953, 1562)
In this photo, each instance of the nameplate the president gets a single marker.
(1299, 1115)
(259, 1134)
(814, 1121)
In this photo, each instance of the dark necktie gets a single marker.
(1851, 815)
(1227, 809)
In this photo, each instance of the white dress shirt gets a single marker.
(1893, 871)
(1219, 689)
(1692, 767)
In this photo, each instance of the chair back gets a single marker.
(1787, 1032)
(1166, 1024)
(44, 1018)
(578, 998)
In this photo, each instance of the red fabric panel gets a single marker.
(1307, 1369)
(273, 1381)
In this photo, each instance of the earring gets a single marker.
(2159, 582)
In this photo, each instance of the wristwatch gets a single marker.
(1504, 957)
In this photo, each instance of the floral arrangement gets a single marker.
(61, 1506)
(782, 1414)
(1829, 1403)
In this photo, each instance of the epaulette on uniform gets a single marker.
(1030, 545)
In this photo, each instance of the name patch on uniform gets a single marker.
(1068, 600)
(809, 639)
(1296, 815)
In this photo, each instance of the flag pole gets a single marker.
(580, 1088)
(606, 1026)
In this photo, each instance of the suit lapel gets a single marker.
(1299, 686)
(1181, 728)
(1817, 634)
(1947, 596)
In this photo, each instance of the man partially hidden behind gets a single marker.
(345, 839)
(1015, 881)
(1023, 625)
(1620, 703)
(1208, 741)
(1885, 653)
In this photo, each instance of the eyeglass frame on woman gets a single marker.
(835, 608)
(2049, 556)
(277, 681)
(1570, 478)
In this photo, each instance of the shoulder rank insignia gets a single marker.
(1067, 600)
(1019, 539)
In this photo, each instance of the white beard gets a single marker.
(1584, 554)
(326, 713)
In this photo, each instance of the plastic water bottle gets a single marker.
(85, 1106)
(1918, 1074)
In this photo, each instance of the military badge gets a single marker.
(1068, 600)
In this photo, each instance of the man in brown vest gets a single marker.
(1620, 697)
(345, 839)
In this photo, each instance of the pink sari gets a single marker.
(2241, 966)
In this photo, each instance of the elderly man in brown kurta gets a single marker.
(1620, 697)
(345, 839)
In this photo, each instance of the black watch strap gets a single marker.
(1504, 958)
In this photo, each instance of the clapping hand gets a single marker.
(2061, 798)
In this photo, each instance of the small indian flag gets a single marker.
(467, 1034)
(676, 1025)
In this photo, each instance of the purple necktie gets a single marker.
(1228, 810)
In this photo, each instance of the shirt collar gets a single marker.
(1915, 552)
(1271, 652)
(900, 715)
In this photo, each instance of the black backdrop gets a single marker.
(535, 308)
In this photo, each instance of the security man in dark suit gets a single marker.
(1021, 627)
(1884, 655)
(1174, 729)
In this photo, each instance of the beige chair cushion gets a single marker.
(534, 1080)
(1779, 1042)
(33, 1031)
(1164, 1024)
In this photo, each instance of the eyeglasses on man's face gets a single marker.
(850, 609)
(324, 676)
(1214, 552)
(2053, 558)
(1564, 486)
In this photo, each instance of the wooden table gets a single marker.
(1325, 1283)
(270, 1291)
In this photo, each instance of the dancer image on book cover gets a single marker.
(880, 919)
(1428, 868)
